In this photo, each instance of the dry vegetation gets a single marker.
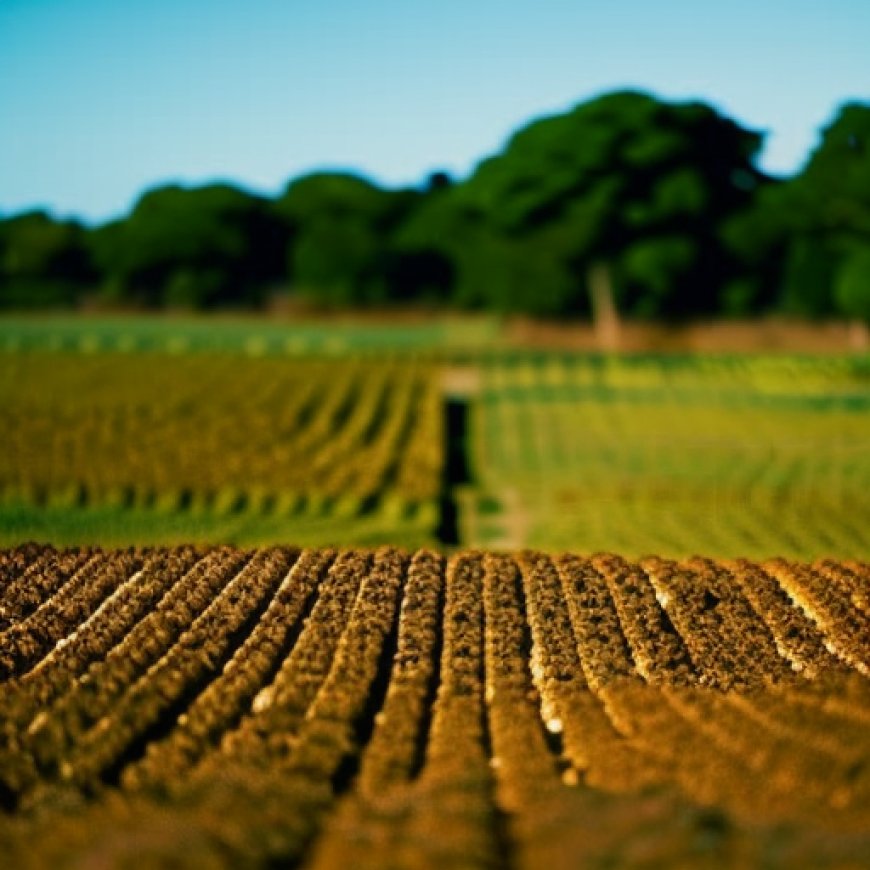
(212, 432)
(370, 708)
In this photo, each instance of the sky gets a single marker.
(100, 99)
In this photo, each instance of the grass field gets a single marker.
(748, 456)
(361, 708)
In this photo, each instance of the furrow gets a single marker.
(39, 581)
(529, 779)
(849, 703)
(279, 708)
(796, 637)
(341, 720)
(845, 628)
(453, 820)
(553, 662)
(825, 735)
(849, 580)
(92, 640)
(14, 562)
(604, 651)
(368, 821)
(150, 707)
(750, 642)
(657, 649)
(221, 704)
(54, 731)
(580, 724)
(25, 643)
(775, 765)
(701, 606)
(266, 806)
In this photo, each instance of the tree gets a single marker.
(830, 214)
(630, 190)
(197, 247)
(418, 275)
(43, 261)
(852, 292)
(799, 234)
(482, 267)
(836, 179)
(341, 225)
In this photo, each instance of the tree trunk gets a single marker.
(605, 317)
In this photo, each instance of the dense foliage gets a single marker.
(656, 208)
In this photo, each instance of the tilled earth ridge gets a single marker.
(217, 707)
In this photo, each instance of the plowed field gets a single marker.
(382, 708)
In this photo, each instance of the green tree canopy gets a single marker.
(341, 224)
(852, 290)
(43, 261)
(199, 246)
(836, 180)
(484, 267)
(800, 233)
(621, 171)
(625, 201)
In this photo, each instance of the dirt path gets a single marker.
(514, 520)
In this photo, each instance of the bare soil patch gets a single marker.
(713, 336)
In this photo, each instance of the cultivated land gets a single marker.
(428, 653)
(149, 448)
(359, 708)
(729, 456)
(755, 456)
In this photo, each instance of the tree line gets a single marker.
(626, 203)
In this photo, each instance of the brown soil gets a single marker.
(714, 336)
(384, 708)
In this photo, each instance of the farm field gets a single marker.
(149, 448)
(418, 333)
(728, 455)
(352, 598)
(369, 708)
(252, 336)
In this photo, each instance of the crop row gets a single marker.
(642, 459)
(94, 638)
(263, 433)
(371, 707)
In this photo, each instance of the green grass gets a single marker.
(119, 527)
(182, 334)
(730, 457)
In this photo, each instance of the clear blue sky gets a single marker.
(102, 98)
